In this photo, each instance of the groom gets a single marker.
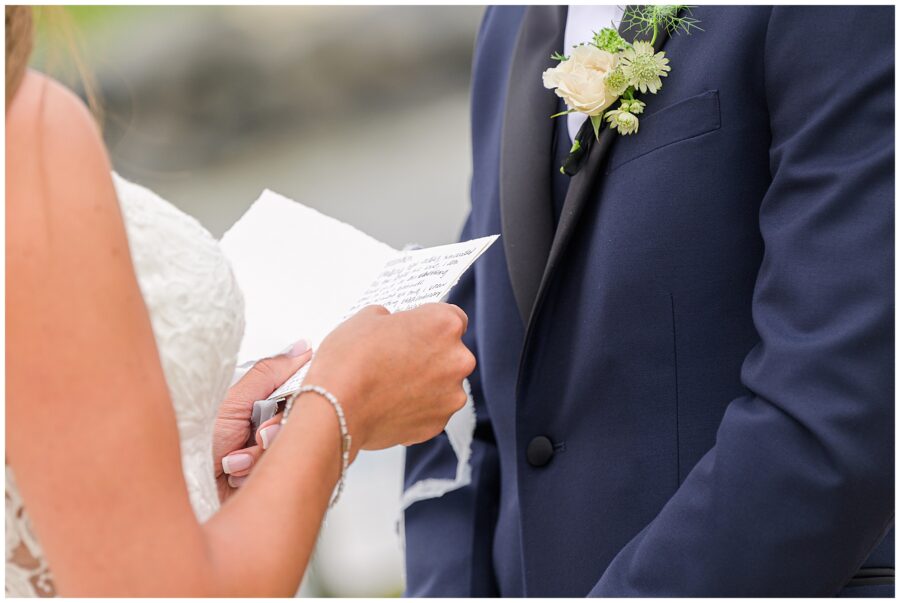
(685, 350)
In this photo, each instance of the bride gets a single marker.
(123, 324)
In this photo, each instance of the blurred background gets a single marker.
(358, 111)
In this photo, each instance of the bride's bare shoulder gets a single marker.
(57, 169)
(47, 122)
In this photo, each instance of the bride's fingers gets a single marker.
(268, 374)
(267, 431)
(240, 462)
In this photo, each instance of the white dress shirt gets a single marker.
(581, 23)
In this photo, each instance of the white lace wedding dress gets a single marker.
(197, 313)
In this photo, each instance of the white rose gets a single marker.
(579, 80)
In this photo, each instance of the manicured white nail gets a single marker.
(267, 435)
(235, 482)
(299, 348)
(236, 462)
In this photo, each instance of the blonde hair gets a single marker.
(19, 42)
(61, 46)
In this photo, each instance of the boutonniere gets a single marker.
(608, 69)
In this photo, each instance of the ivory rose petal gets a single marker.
(579, 81)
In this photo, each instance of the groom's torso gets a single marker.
(636, 344)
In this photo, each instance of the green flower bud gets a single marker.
(625, 123)
(608, 39)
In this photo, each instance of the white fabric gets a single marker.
(581, 23)
(197, 313)
(460, 430)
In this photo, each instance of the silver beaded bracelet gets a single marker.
(345, 435)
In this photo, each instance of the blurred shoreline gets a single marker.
(358, 111)
(402, 178)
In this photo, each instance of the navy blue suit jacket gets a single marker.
(710, 351)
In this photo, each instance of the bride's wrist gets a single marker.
(345, 439)
(317, 416)
(348, 391)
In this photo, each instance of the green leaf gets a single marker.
(597, 122)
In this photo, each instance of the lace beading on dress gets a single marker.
(197, 313)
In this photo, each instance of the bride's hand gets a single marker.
(232, 433)
(398, 376)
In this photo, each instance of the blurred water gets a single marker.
(401, 177)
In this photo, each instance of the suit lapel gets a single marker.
(526, 161)
(581, 186)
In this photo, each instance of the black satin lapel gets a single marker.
(526, 160)
(584, 182)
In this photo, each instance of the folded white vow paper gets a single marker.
(303, 273)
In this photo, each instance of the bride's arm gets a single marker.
(91, 434)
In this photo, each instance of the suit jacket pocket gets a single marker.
(680, 121)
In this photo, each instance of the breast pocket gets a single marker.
(683, 120)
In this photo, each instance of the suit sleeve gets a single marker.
(799, 486)
(449, 540)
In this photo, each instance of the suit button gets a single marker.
(540, 451)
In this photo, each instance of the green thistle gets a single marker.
(648, 20)
(616, 82)
(608, 39)
(644, 67)
(624, 122)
